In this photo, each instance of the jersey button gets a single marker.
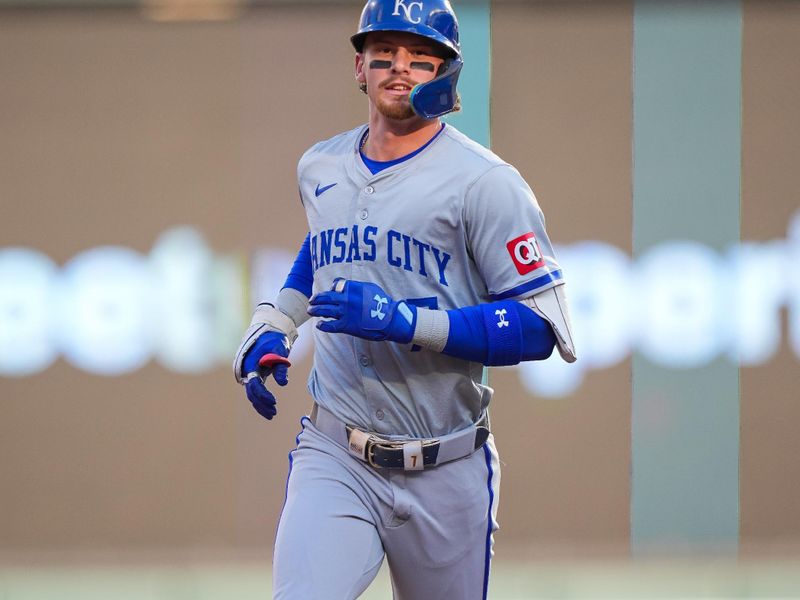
(363, 214)
(365, 361)
(369, 189)
(379, 414)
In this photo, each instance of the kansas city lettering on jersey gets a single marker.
(399, 250)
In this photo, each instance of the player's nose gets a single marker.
(401, 61)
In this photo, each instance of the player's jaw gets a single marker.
(392, 99)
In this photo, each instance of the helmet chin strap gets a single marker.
(437, 97)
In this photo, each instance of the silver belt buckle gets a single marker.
(376, 441)
(371, 456)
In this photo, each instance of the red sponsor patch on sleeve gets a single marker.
(525, 253)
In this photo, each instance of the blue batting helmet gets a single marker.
(432, 19)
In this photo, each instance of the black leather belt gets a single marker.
(388, 454)
(401, 454)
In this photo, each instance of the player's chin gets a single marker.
(398, 108)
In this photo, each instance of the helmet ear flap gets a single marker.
(438, 96)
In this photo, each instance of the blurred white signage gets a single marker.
(110, 310)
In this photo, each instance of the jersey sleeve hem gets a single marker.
(542, 282)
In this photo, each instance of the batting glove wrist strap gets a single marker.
(364, 310)
(266, 318)
(275, 319)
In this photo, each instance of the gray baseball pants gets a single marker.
(342, 516)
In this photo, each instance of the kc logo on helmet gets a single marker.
(525, 253)
(406, 8)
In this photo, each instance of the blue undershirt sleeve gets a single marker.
(498, 334)
(301, 277)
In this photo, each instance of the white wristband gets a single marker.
(433, 327)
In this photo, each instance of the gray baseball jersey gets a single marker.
(452, 226)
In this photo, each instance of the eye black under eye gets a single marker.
(423, 66)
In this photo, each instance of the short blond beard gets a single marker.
(397, 111)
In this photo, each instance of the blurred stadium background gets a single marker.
(148, 194)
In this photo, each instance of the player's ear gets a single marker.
(361, 76)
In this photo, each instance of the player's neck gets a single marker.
(391, 139)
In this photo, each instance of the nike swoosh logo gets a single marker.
(321, 190)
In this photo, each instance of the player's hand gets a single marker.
(267, 356)
(364, 310)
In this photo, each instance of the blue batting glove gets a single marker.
(363, 310)
(266, 357)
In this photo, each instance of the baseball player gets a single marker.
(426, 260)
